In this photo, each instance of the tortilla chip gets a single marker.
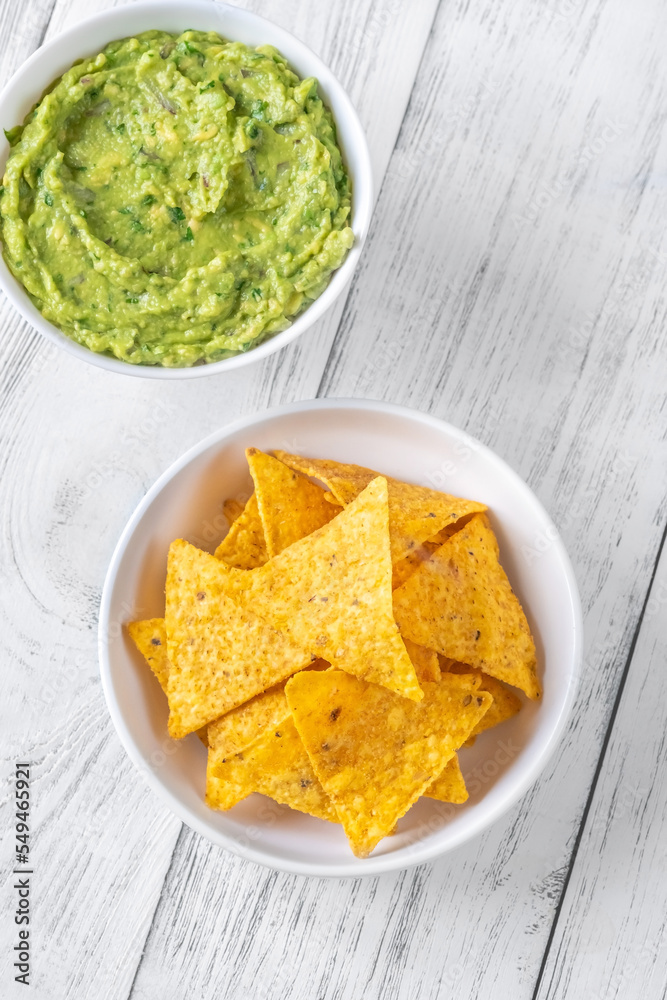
(235, 730)
(290, 506)
(275, 764)
(221, 654)
(404, 568)
(450, 786)
(460, 603)
(450, 530)
(374, 753)
(330, 592)
(232, 509)
(416, 513)
(505, 702)
(425, 661)
(150, 639)
(243, 546)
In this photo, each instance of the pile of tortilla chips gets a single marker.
(341, 645)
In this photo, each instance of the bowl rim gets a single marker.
(361, 175)
(426, 849)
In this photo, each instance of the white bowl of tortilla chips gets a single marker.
(330, 734)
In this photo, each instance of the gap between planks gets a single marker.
(598, 770)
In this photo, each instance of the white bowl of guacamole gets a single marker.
(186, 188)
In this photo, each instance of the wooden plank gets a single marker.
(87, 799)
(611, 937)
(23, 29)
(80, 447)
(513, 285)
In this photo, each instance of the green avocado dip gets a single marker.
(175, 200)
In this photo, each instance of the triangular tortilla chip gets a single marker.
(233, 508)
(275, 764)
(416, 513)
(150, 639)
(450, 530)
(374, 753)
(450, 786)
(505, 702)
(460, 603)
(221, 654)
(331, 592)
(425, 661)
(290, 505)
(243, 546)
(235, 730)
(404, 568)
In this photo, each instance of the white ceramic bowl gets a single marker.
(90, 36)
(186, 502)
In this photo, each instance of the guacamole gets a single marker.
(176, 199)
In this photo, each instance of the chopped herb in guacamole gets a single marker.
(175, 200)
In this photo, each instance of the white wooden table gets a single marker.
(514, 284)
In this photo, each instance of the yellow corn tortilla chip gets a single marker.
(232, 732)
(290, 506)
(232, 509)
(416, 513)
(450, 786)
(404, 568)
(243, 546)
(275, 764)
(505, 702)
(221, 654)
(150, 639)
(425, 661)
(448, 531)
(460, 603)
(235, 730)
(375, 753)
(330, 592)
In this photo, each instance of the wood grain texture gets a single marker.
(79, 449)
(513, 284)
(611, 935)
